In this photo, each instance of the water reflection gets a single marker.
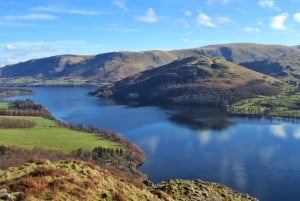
(201, 118)
(204, 137)
(256, 156)
(283, 131)
(296, 134)
(193, 117)
(278, 131)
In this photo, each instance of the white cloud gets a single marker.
(187, 13)
(22, 51)
(185, 40)
(224, 20)
(252, 29)
(62, 10)
(31, 16)
(297, 17)
(120, 4)
(266, 3)
(205, 20)
(11, 48)
(278, 22)
(278, 131)
(149, 17)
(41, 48)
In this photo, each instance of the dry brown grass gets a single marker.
(45, 171)
(30, 186)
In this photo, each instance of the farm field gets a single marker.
(47, 134)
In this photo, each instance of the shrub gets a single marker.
(30, 186)
(44, 171)
(3, 149)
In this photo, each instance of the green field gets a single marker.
(285, 104)
(5, 105)
(50, 136)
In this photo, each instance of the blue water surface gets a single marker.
(256, 156)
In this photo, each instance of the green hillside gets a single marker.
(194, 80)
(109, 67)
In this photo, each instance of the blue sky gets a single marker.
(35, 28)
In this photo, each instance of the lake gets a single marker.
(256, 156)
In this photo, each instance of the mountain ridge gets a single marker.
(113, 66)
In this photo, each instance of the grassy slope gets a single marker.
(48, 135)
(285, 104)
(75, 180)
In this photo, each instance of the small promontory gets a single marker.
(194, 80)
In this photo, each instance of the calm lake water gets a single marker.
(258, 156)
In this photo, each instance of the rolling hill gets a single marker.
(114, 66)
(241, 52)
(193, 80)
(104, 67)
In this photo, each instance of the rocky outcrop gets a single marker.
(197, 190)
(77, 180)
(4, 195)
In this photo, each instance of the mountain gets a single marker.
(105, 67)
(193, 80)
(77, 180)
(284, 68)
(241, 52)
(109, 67)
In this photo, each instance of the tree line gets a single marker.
(26, 108)
(16, 123)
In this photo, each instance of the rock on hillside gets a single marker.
(76, 180)
(194, 80)
(186, 190)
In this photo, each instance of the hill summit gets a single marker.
(193, 80)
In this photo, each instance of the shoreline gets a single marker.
(136, 156)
